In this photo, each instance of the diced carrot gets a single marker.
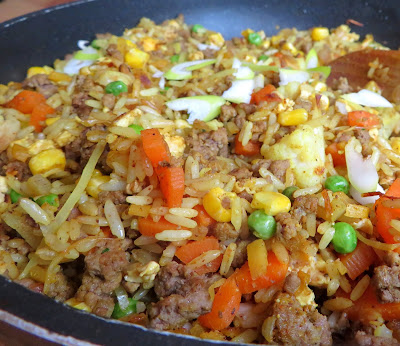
(39, 115)
(337, 153)
(276, 272)
(193, 249)
(225, 306)
(367, 307)
(385, 214)
(150, 228)
(26, 100)
(250, 149)
(202, 218)
(172, 184)
(265, 94)
(107, 232)
(155, 147)
(363, 119)
(358, 261)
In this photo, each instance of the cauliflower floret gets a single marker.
(305, 149)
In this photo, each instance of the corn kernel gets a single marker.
(245, 33)
(323, 102)
(272, 202)
(275, 40)
(50, 121)
(292, 118)
(38, 274)
(197, 55)
(93, 187)
(136, 58)
(319, 33)
(149, 44)
(75, 303)
(395, 142)
(59, 77)
(35, 70)
(213, 204)
(373, 86)
(217, 39)
(47, 160)
(319, 86)
(290, 47)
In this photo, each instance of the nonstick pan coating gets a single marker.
(41, 37)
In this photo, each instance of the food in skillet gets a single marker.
(214, 188)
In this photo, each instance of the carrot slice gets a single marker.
(38, 115)
(202, 218)
(155, 147)
(367, 307)
(362, 119)
(150, 228)
(172, 184)
(26, 101)
(250, 149)
(337, 152)
(358, 261)
(193, 249)
(265, 94)
(225, 306)
(276, 272)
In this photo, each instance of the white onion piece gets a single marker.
(341, 107)
(184, 70)
(286, 76)
(365, 200)
(73, 65)
(243, 72)
(312, 59)
(122, 297)
(82, 44)
(362, 172)
(368, 98)
(240, 91)
(259, 81)
(203, 46)
(158, 74)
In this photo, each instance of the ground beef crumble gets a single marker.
(387, 283)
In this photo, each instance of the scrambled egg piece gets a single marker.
(176, 144)
(3, 188)
(390, 119)
(128, 118)
(305, 149)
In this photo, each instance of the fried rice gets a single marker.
(216, 188)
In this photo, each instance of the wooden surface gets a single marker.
(14, 8)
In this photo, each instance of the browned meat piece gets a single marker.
(299, 326)
(108, 101)
(80, 150)
(249, 108)
(118, 197)
(292, 283)
(394, 326)
(209, 144)
(259, 127)
(84, 83)
(240, 254)
(18, 169)
(228, 112)
(392, 258)
(31, 284)
(365, 139)
(78, 103)
(288, 226)
(124, 68)
(343, 85)
(241, 173)
(3, 162)
(103, 275)
(344, 137)
(279, 167)
(185, 296)
(42, 84)
(61, 288)
(240, 120)
(303, 205)
(209, 53)
(387, 282)
(364, 339)
(224, 231)
(303, 103)
(114, 52)
(245, 195)
(260, 164)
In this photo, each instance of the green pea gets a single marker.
(288, 192)
(51, 199)
(255, 38)
(263, 57)
(262, 225)
(116, 88)
(199, 29)
(345, 238)
(337, 183)
(137, 128)
(118, 312)
(14, 196)
(95, 44)
(175, 58)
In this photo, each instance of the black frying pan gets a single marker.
(41, 37)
